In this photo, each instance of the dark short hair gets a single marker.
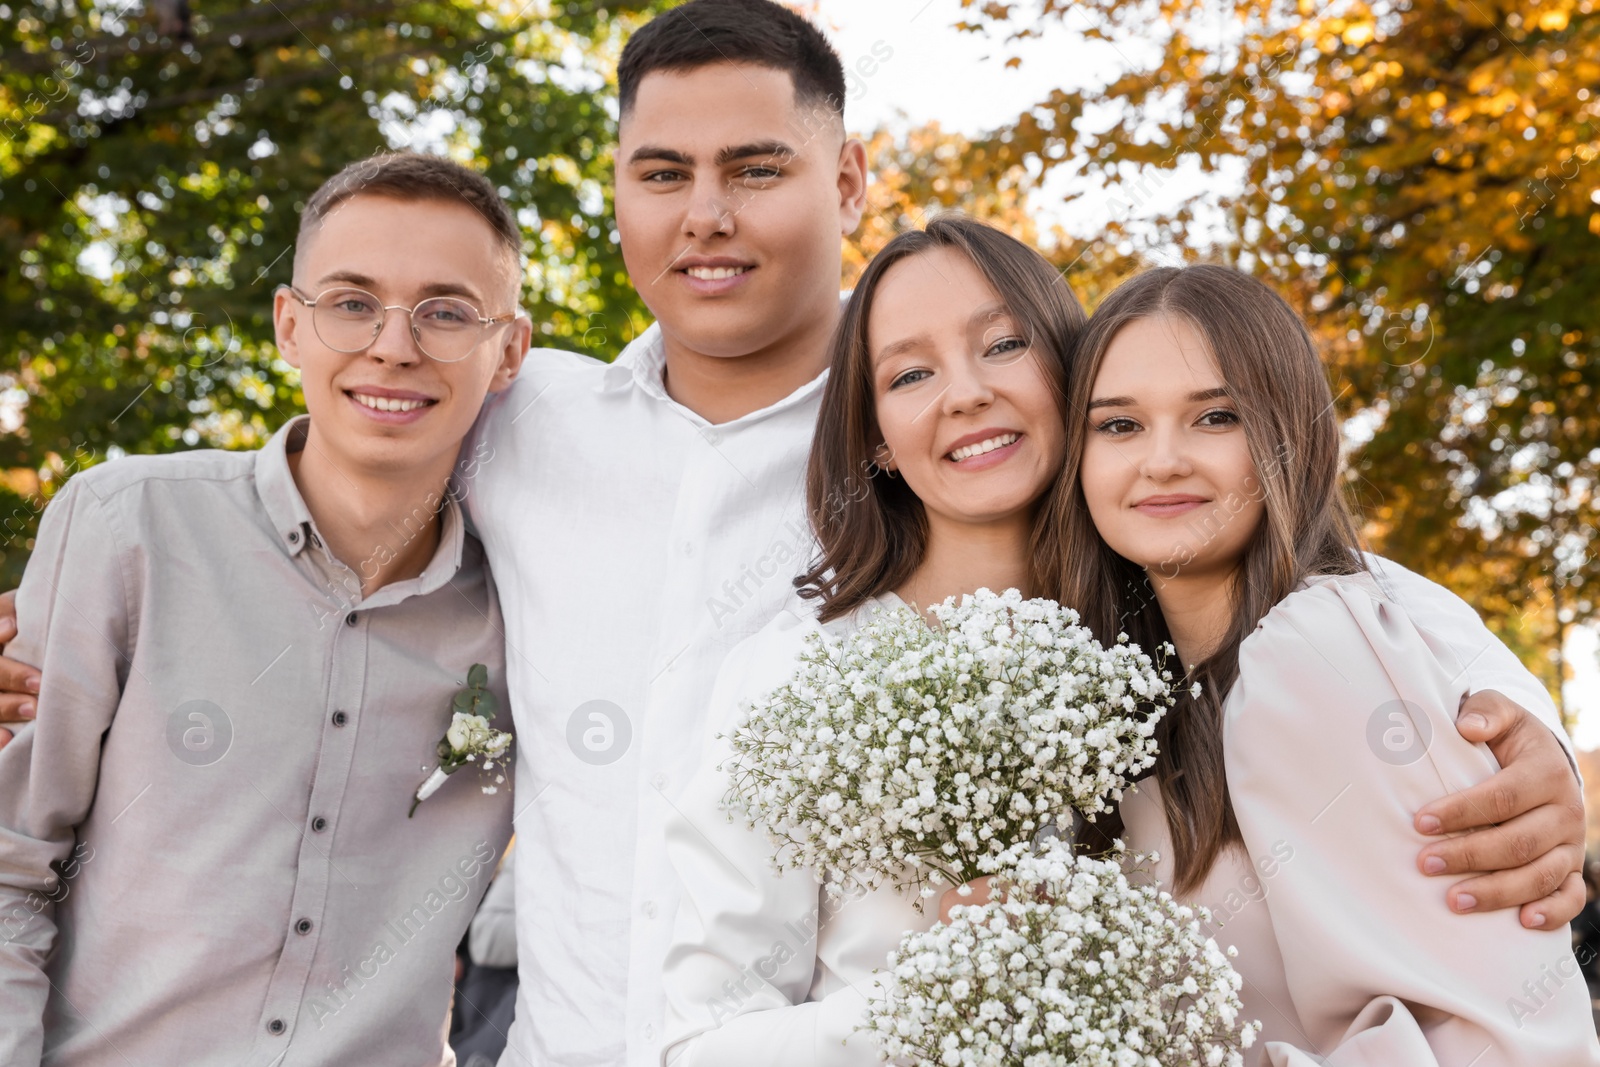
(872, 532)
(758, 32)
(414, 176)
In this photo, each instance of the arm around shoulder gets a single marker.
(1342, 724)
(73, 620)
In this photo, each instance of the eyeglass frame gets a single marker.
(383, 319)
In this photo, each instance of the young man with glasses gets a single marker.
(205, 852)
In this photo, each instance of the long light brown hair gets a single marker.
(871, 529)
(1274, 377)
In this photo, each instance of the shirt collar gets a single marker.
(295, 527)
(291, 519)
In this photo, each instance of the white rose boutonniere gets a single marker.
(469, 738)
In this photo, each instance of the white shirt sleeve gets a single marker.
(741, 975)
(1485, 660)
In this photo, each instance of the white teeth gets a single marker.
(968, 451)
(386, 403)
(712, 274)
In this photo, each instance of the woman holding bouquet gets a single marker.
(767, 969)
(951, 384)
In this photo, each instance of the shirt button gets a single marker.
(649, 910)
(319, 824)
(688, 548)
(649, 1032)
(350, 619)
(294, 537)
(659, 781)
(713, 437)
(303, 926)
(340, 718)
(275, 1026)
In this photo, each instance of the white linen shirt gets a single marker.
(634, 544)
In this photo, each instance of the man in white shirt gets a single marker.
(642, 517)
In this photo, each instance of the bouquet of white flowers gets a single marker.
(1070, 964)
(907, 753)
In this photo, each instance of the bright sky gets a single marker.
(908, 66)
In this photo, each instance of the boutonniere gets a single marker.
(469, 738)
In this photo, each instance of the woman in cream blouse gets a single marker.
(1337, 725)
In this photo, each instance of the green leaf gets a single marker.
(478, 676)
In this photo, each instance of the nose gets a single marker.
(711, 211)
(1166, 457)
(967, 389)
(395, 344)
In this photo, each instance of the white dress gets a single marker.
(1350, 956)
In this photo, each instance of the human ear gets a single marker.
(852, 185)
(883, 456)
(286, 309)
(513, 349)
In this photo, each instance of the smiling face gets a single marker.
(731, 199)
(967, 414)
(1167, 472)
(391, 410)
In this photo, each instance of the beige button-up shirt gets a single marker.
(204, 850)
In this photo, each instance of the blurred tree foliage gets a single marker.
(1421, 177)
(152, 166)
(924, 170)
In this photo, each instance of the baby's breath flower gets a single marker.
(937, 748)
(1073, 966)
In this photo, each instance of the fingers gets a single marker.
(1536, 775)
(19, 686)
(1520, 885)
(1489, 717)
(1497, 848)
(1557, 909)
(16, 707)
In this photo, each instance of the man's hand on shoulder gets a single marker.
(1521, 830)
(19, 683)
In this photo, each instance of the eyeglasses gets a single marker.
(446, 328)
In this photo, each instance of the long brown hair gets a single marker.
(871, 530)
(1273, 374)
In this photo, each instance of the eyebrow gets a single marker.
(754, 148)
(1197, 397)
(350, 277)
(917, 340)
(726, 155)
